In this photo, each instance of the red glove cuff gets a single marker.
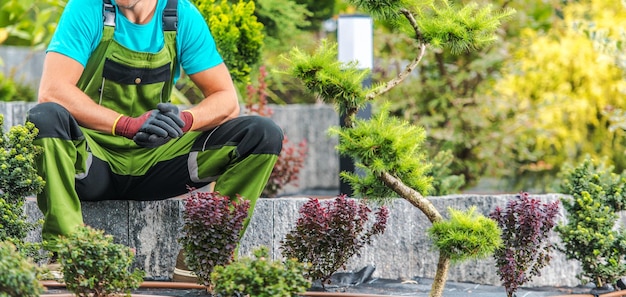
(122, 127)
(187, 117)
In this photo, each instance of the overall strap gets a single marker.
(108, 13)
(170, 15)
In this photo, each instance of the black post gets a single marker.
(355, 43)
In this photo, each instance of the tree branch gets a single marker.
(409, 68)
(411, 195)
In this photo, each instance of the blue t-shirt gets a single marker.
(80, 29)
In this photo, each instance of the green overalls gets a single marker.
(83, 164)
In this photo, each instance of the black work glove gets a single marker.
(184, 119)
(148, 140)
(151, 122)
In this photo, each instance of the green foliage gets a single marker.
(19, 275)
(388, 149)
(29, 22)
(238, 34)
(562, 119)
(320, 11)
(282, 21)
(384, 144)
(11, 90)
(260, 277)
(92, 265)
(588, 235)
(383, 9)
(453, 96)
(212, 229)
(461, 29)
(466, 235)
(18, 180)
(335, 82)
(444, 182)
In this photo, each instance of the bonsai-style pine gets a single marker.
(389, 150)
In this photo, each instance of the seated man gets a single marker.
(107, 128)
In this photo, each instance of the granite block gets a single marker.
(111, 216)
(260, 229)
(154, 228)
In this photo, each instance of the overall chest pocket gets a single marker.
(133, 90)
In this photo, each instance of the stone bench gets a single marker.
(402, 252)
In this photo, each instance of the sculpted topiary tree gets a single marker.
(389, 150)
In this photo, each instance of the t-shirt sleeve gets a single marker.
(79, 30)
(197, 47)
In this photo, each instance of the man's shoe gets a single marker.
(182, 272)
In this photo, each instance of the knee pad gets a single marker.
(53, 120)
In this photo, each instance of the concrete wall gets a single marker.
(404, 251)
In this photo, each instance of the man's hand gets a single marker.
(152, 122)
(148, 140)
(184, 119)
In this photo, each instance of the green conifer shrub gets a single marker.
(238, 35)
(388, 150)
(466, 235)
(589, 235)
(18, 180)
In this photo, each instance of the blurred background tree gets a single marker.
(29, 22)
(562, 86)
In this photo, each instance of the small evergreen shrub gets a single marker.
(212, 228)
(328, 234)
(589, 235)
(260, 277)
(18, 276)
(466, 235)
(94, 266)
(18, 180)
(526, 224)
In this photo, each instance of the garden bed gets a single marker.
(417, 287)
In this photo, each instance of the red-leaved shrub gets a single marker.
(211, 231)
(526, 224)
(328, 234)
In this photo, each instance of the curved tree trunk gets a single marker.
(414, 197)
(423, 204)
(440, 277)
